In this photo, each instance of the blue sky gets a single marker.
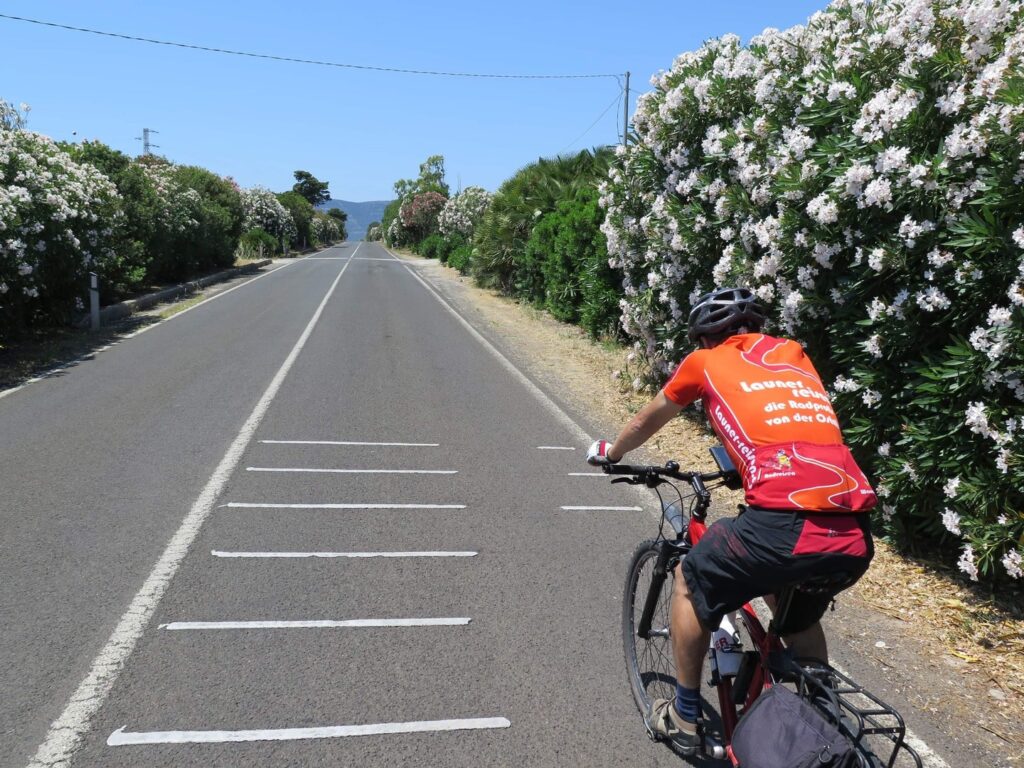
(260, 120)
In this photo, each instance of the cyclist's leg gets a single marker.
(689, 637)
(809, 643)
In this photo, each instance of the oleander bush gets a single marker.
(262, 211)
(463, 212)
(863, 175)
(59, 220)
(140, 231)
(324, 229)
(418, 214)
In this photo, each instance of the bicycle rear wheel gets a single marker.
(649, 662)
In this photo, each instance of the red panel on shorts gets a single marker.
(839, 534)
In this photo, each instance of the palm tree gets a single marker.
(520, 203)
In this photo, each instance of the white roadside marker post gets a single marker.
(94, 301)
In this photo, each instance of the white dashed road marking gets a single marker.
(315, 624)
(120, 737)
(347, 442)
(606, 509)
(555, 448)
(247, 505)
(218, 553)
(357, 471)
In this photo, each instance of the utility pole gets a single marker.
(146, 145)
(625, 115)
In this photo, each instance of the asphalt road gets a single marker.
(101, 465)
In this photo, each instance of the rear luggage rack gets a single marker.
(873, 726)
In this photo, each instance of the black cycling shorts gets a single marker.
(762, 551)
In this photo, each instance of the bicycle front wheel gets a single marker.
(649, 661)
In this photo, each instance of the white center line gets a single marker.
(357, 471)
(608, 509)
(259, 505)
(347, 442)
(219, 553)
(555, 448)
(315, 624)
(587, 474)
(66, 731)
(120, 737)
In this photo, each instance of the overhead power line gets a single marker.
(296, 60)
(615, 102)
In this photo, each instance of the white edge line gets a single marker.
(347, 442)
(120, 737)
(261, 505)
(555, 448)
(561, 416)
(357, 471)
(66, 731)
(315, 624)
(587, 474)
(221, 553)
(608, 509)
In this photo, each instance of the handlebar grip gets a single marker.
(623, 469)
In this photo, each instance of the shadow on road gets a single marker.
(53, 351)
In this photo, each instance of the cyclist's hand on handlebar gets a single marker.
(597, 454)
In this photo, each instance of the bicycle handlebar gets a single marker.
(671, 469)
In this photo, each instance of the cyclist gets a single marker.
(806, 499)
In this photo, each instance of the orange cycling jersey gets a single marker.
(768, 406)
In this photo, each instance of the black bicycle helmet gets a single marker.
(725, 310)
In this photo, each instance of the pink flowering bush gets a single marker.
(418, 214)
(863, 175)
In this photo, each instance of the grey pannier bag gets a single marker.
(782, 730)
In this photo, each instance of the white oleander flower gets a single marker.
(966, 562)
(877, 193)
(950, 488)
(951, 521)
(976, 419)
(874, 345)
(1012, 563)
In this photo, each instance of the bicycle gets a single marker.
(738, 675)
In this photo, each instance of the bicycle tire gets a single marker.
(649, 662)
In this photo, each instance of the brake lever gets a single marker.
(630, 480)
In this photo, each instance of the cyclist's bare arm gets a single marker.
(638, 431)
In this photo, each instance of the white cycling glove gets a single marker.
(597, 454)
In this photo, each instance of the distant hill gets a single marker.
(360, 215)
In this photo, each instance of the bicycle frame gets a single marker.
(754, 674)
(766, 663)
